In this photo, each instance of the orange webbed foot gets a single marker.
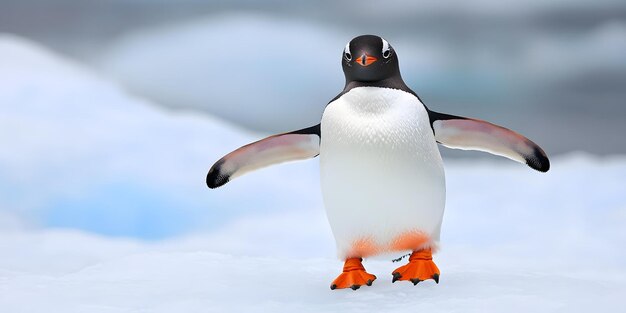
(420, 267)
(354, 276)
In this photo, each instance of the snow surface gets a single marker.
(80, 157)
(512, 242)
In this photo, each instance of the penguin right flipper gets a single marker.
(296, 145)
(464, 133)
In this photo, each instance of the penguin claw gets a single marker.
(436, 278)
(415, 281)
(353, 280)
(396, 276)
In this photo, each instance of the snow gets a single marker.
(88, 173)
(567, 256)
(79, 152)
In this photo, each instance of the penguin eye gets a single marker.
(386, 49)
(346, 53)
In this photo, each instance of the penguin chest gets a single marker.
(381, 172)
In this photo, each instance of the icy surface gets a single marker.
(80, 157)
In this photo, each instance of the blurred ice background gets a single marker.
(112, 111)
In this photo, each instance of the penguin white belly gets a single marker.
(381, 173)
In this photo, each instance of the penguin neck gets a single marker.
(393, 82)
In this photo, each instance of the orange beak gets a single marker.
(365, 60)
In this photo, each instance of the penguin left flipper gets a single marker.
(297, 145)
(471, 134)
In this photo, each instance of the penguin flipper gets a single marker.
(296, 145)
(463, 133)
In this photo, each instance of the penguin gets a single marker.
(382, 175)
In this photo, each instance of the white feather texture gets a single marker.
(381, 171)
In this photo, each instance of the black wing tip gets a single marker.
(538, 161)
(215, 178)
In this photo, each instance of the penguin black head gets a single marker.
(369, 58)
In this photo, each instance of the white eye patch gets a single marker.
(386, 51)
(346, 52)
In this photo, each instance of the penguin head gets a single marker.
(369, 58)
